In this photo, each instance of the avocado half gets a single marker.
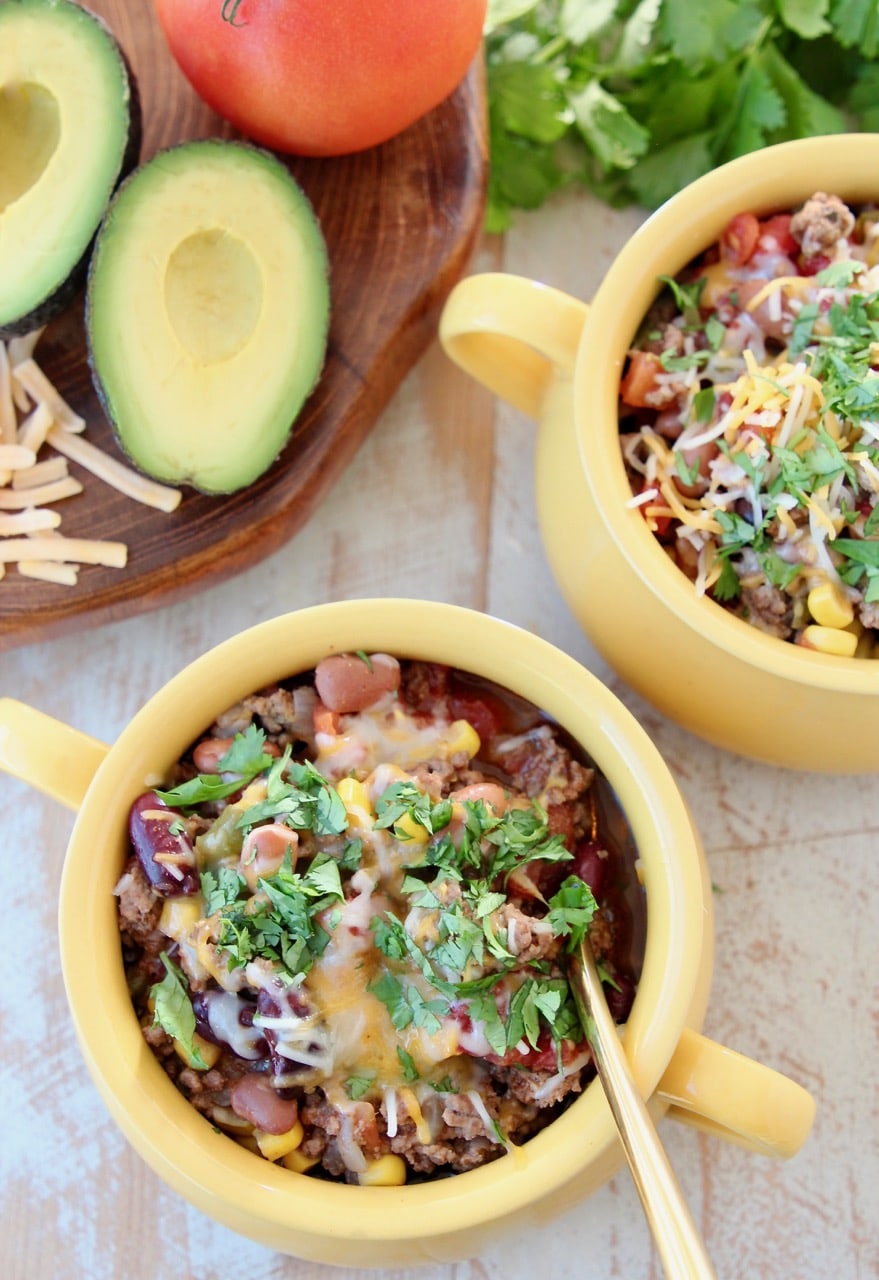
(69, 130)
(207, 311)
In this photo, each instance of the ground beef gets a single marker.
(528, 938)
(539, 764)
(287, 715)
(139, 910)
(769, 609)
(519, 1098)
(822, 221)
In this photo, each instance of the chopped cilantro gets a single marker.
(281, 924)
(172, 1011)
(407, 1064)
(571, 910)
(358, 1086)
(299, 796)
(221, 887)
(404, 799)
(703, 405)
(727, 586)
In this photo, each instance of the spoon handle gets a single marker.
(677, 1239)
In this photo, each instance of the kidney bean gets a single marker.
(226, 1019)
(346, 683)
(590, 864)
(281, 1002)
(621, 997)
(253, 1098)
(163, 849)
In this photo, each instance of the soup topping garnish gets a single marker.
(359, 920)
(750, 420)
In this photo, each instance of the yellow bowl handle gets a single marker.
(512, 334)
(722, 1092)
(49, 755)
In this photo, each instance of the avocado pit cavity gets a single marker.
(30, 127)
(213, 294)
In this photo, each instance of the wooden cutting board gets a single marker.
(400, 221)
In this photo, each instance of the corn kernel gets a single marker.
(406, 828)
(830, 640)
(462, 737)
(275, 1145)
(179, 915)
(388, 1171)
(829, 606)
(297, 1162)
(355, 798)
(209, 1052)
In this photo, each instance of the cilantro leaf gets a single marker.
(172, 1011)
(571, 910)
(358, 1086)
(633, 101)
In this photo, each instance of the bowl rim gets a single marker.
(777, 177)
(242, 1188)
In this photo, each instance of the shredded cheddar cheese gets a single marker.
(768, 486)
(29, 484)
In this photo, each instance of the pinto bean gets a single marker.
(491, 794)
(347, 683)
(264, 850)
(209, 752)
(163, 848)
(698, 458)
(253, 1098)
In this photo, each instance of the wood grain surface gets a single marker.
(400, 221)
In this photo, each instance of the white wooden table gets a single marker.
(439, 504)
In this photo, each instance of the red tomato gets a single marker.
(739, 239)
(778, 227)
(640, 379)
(322, 77)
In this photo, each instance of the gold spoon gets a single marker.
(675, 1234)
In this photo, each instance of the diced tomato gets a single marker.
(479, 711)
(778, 228)
(545, 1057)
(739, 239)
(640, 379)
(325, 721)
(811, 266)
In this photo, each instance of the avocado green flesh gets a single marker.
(207, 311)
(66, 121)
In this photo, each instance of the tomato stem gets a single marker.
(228, 13)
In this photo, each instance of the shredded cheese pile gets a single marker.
(787, 471)
(35, 420)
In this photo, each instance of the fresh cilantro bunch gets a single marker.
(634, 99)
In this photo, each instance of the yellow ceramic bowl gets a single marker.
(560, 361)
(456, 1217)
